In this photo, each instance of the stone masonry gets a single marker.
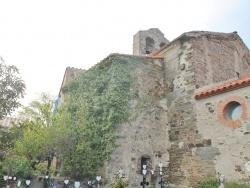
(149, 41)
(146, 133)
(232, 144)
(170, 125)
(186, 132)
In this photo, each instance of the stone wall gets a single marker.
(168, 119)
(69, 75)
(148, 41)
(191, 156)
(218, 58)
(193, 62)
(232, 144)
(146, 133)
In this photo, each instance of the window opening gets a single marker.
(233, 111)
(149, 45)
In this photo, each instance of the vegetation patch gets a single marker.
(215, 184)
(81, 135)
(97, 102)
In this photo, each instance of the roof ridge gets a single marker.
(193, 34)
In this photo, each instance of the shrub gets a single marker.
(119, 183)
(236, 185)
(209, 184)
(215, 184)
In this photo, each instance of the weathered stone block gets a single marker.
(207, 153)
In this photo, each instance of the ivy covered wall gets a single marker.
(121, 101)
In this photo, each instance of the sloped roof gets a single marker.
(226, 87)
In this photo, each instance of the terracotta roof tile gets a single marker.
(230, 86)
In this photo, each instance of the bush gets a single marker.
(215, 184)
(236, 185)
(17, 166)
(209, 184)
(119, 183)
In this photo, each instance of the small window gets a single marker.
(144, 160)
(149, 45)
(233, 111)
(150, 42)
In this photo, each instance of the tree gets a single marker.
(33, 144)
(39, 111)
(12, 88)
(17, 166)
(36, 142)
(28, 143)
(73, 145)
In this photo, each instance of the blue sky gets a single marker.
(43, 37)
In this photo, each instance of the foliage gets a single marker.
(17, 166)
(209, 184)
(96, 103)
(74, 146)
(12, 88)
(82, 134)
(40, 169)
(2, 173)
(236, 185)
(215, 184)
(29, 141)
(8, 138)
(119, 183)
(104, 92)
(34, 144)
(39, 110)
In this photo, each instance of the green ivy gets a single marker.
(98, 102)
(215, 184)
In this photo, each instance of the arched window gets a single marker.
(149, 45)
(233, 111)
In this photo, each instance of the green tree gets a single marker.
(75, 144)
(82, 134)
(30, 139)
(36, 142)
(17, 166)
(33, 144)
(12, 88)
(39, 110)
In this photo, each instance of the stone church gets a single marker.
(199, 126)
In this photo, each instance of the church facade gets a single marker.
(198, 125)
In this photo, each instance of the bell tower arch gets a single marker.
(148, 41)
